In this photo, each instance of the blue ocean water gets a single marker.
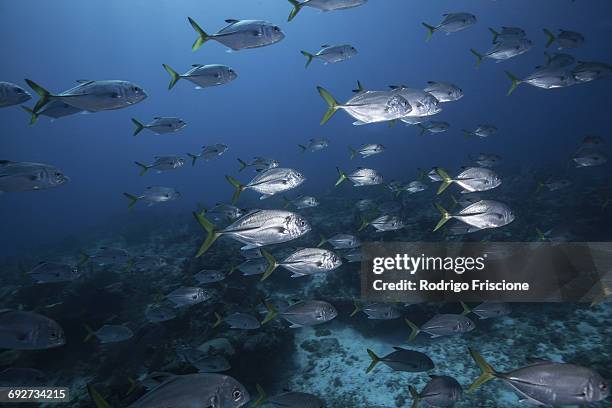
(267, 111)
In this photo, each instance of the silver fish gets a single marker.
(331, 54)
(590, 71)
(323, 5)
(11, 94)
(545, 78)
(161, 164)
(555, 185)
(507, 34)
(589, 158)
(154, 195)
(304, 313)
(251, 267)
(108, 256)
(470, 179)
(342, 241)
(269, 182)
(93, 96)
(110, 333)
(302, 262)
(368, 106)
(367, 150)
(188, 296)
(365, 204)
(302, 202)
(360, 177)
(203, 76)
(451, 23)
(482, 214)
(314, 145)
(504, 50)
(54, 109)
(209, 276)
(157, 313)
(257, 228)
(192, 390)
(241, 321)
(546, 383)
(209, 152)
(384, 223)
(240, 34)
(440, 391)
(415, 187)
(402, 360)
(212, 364)
(25, 176)
(488, 159)
(434, 127)
(378, 311)
(488, 310)
(565, 39)
(443, 325)
(592, 141)
(558, 60)
(444, 91)
(259, 164)
(481, 131)
(51, 272)
(160, 125)
(21, 330)
(225, 212)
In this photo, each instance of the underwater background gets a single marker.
(268, 110)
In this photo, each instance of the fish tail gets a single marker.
(603, 295)
(341, 178)
(455, 202)
(415, 396)
(231, 270)
(243, 164)
(212, 233)
(239, 188)
(133, 199)
(430, 30)
(218, 320)
(488, 373)
(263, 397)
(309, 56)
(272, 313)
(353, 152)
(322, 241)
(446, 179)
(272, 264)
(97, 399)
(550, 37)
(331, 102)
(359, 88)
(128, 265)
(495, 34)
(548, 57)
(541, 235)
(297, 6)
(358, 308)
(174, 76)
(133, 385)
(364, 224)
(466, 309)
(287, 202)
(302, 147)
(193, 158)
(202, 36)
(139, 126)
(467, 133)
(423, 128)
(414, 330)
(45, 96)
(90, 334)
(33, 115)
(375, 360)
(85, 257)
(143, 167)
(515, 82)
(445, 217)
(478, 56)
(539, 188)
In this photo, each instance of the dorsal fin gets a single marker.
(84, 81)
(197, 65)
(325, 46)
(231, 21)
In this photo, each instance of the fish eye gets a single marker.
(57, 173)
(603, 386)
(237, 395)
(276, 28)
(19, 90)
